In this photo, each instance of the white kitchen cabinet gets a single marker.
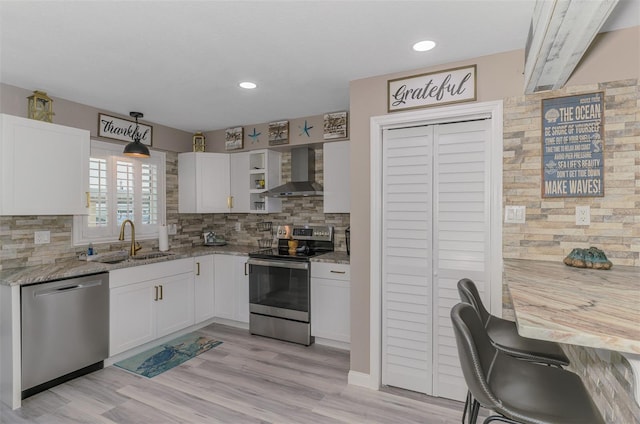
(231, 288)
(148, 302)
(264, 173)
(240, 183)
(336, 166)
(204, 288)
(203, 182)
(330, 307)
(44, 168)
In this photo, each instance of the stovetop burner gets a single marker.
(313, 240)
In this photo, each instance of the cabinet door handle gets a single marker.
(245, 268)
(160, 292)
(230, 202)
(338, 272)
(197, 268)
(156, 299)
(88, 199)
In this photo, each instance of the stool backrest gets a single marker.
(476, 353)
(469, 294)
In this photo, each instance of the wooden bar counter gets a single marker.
(580, 306)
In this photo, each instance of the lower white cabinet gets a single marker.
(330, 301)
(149, 301)
(231, 288)
(204, 287)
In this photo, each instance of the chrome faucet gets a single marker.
(134, 246)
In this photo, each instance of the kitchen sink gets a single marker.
(110, 257)
(152, 255)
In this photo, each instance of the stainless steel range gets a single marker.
(279, 283)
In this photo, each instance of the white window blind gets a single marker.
(121, 188)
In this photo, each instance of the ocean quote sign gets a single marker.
(432, 89)
(573, 146)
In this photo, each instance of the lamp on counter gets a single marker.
(136, 149)
(40, 107)
(199, 144)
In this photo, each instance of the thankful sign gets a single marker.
(436, 88)
(123, 129)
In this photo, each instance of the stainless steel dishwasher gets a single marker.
(65, 330)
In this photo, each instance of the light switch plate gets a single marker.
(583, 215)
(172, 229)
(42, 237)
(514, 214)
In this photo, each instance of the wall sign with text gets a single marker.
(123, 129)
(432, 89)
(573, 146)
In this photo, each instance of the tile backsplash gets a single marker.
(17, 248)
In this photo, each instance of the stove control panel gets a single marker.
(305, 232)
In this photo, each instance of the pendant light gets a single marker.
(136, 149)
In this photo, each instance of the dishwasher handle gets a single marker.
(66, 289)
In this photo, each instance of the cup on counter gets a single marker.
(293, 245)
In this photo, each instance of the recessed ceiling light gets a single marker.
(423, 46)
(248, 85)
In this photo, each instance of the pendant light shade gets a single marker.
(136, 149)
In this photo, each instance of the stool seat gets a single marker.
(504, 333)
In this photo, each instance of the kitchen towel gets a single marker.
(163, 238)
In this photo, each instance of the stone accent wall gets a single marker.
(550, 232)
(17, 248)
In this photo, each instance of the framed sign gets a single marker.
(123, 129)
(233, 138)
(278, 133)
(335, 126)
(432, 89)
(572, 146)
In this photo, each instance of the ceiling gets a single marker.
(180, 62)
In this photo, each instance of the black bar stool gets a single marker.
(517, 391)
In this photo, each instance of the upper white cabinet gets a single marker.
(223, 182)
(203, 182)
(240, 183)
(337, 194)
(44, 168)
(264, 174)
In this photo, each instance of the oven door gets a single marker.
(279, 288)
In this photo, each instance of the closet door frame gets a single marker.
(466, 112)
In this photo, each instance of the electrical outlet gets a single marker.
(515, 214)
(42, 237)
(172, 229)
(238, 226)
(583, 215)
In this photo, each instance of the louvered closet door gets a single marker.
(407, 258)
(435, 231)
(461, 236)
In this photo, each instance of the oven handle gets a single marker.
(279, 264)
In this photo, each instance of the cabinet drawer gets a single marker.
(136, 274)
(331, 271)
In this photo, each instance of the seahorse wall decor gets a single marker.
(588, 258)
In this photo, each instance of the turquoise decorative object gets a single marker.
(162, 358)
(588, 258)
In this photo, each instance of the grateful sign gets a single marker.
(432, 89)
(123, 129)
(572, 146)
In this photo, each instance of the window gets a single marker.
(121, 188)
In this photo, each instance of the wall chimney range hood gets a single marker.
(303, 169)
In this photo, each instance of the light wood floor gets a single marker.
(247, 379)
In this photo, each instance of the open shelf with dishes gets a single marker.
(264, 174)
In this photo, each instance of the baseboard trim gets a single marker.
(361, 379)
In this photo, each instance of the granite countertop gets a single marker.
(586, 307)
(332, 257)
(75, 267)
